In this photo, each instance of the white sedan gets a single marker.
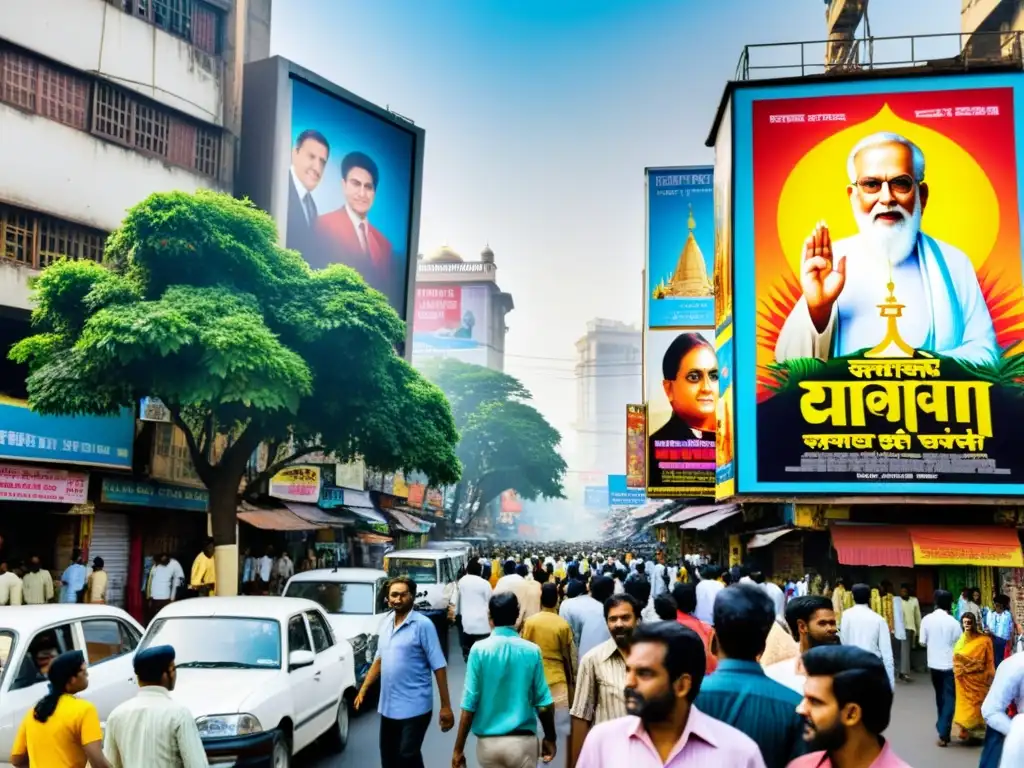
(263, 676)
(32, 635)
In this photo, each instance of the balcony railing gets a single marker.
(951, 51)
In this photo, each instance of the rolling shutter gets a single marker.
(110, 540)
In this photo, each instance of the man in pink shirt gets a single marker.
(664, 730)
(847, 703)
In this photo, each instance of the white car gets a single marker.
(107, 636)
(355, 602)
(263, 676)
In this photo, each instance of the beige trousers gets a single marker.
(508, 751)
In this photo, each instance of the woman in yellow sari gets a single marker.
(973, 670)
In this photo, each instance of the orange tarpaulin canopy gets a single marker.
(873, 545)
(966, 545)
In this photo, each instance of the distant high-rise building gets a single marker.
(608, 377)
(460, 310)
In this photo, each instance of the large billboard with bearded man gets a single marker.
(878, 287)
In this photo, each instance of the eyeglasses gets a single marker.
(901, 185)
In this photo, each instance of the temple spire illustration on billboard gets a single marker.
(691, 274)
(893, 345)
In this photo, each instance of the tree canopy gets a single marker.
(198, 305)
(505, 442)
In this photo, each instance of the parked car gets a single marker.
(355, 602)
(31, 635)
(264, 676)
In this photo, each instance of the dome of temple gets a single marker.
(487, 255)
(444, 255)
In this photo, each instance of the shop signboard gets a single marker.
(99, 441)
(682, 403)
(878, 284)
(636, 446)
(595, 497)
(26, 483)
(139, 493)
(621, 495)
(331, 497)
(452, 321)
(680, 247)
(298, 483)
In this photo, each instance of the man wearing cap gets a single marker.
(152, 729)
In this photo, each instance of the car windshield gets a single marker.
(335, 596)
(420, 571)
(225, 642)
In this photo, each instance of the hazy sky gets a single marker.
(541, 116)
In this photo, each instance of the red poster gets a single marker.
(437, 308)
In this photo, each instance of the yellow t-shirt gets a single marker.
(60, 741)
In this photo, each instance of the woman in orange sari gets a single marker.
(973, 669)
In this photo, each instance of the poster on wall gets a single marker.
(878, 287)
(682, 409)
(451, 321)
(351, 189)
(680, 247)
(636, 446)
(296, 484)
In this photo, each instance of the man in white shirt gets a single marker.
(812, 621)
(774, 591)
(152, 729)
(516, 584)
(1007, 688)
(1013, 747)
(265, 571)
(164, 579)
(471, 607)
(10, 586)
(939, 633)
(867, 630)
(707, 590)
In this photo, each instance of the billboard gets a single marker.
(682, 409)
(100, 441)
(621, 494)
(452, 321)
(636, 446)
(595, 497)
(878, 282)
(680, 247)
(725, 446)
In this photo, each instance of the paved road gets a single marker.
(912, 733)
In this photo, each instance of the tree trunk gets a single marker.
(224, 526)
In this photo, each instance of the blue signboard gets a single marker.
(102, 441)
(595, 497)
(620, 495)
(331, 497)
(138, 493)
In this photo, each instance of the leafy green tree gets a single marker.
(198, 305)
(506, 443)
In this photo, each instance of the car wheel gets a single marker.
(337, 736)
(281, 757)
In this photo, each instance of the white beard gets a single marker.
(893, 243)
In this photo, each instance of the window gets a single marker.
(36, 240)
(335, 596)
(219, 642)
(192, 20)
(107, 639)
(322, 638)
(298, 636)
(44, 647)
(41, 88)
(381, 590)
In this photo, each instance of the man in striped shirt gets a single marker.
(602, 674)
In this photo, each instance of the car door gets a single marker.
(23, 684)
(334, 667)
(304, 684)
(109, 644)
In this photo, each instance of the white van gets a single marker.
(436, 573)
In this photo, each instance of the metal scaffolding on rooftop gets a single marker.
(953, 51)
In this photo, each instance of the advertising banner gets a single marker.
(595, 497)
(23, 483)
(636, 446)
(451, 321)
(296, 484)
(680, 247)
(138, 493)
(351, 189)
(878, 287)
(682, 410)
(101, 441)
(725, 448)
(620, 494)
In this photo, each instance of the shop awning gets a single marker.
(275, 519)
(647, 510)
(408, 523)
(966, 545)
(313, 514)
(873, 545)
(711, 517)
(373, 538)
(766, 538)
(367, 514)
